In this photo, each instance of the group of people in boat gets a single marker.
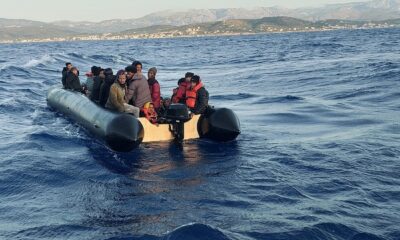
(131, 92)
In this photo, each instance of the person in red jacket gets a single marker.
(179, 95)
(181, 86)
(154, 88)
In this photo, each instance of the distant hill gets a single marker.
(36, 31)
(151, 29)
(211, 22)
(173, 18)
(14, 29)
(245, 25)
(374, 10)
(268, 24)
(232, 26)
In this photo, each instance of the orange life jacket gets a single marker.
(191, 95)
(174, 92)
(179, 92)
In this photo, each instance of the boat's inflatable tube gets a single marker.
(121, 132)
(219, 124)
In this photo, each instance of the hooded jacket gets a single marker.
(72, 82)
(97, 82)
(64, 76)
(105, 88)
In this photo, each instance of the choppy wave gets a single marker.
(202, 231)
(239, 96)
(45, 59)
(285, 99)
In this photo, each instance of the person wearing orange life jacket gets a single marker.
(197, 96)
(179, 93)
(149, 112)
(182, 91)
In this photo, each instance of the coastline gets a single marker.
(163, 35)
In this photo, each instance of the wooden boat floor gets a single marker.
(161, 132)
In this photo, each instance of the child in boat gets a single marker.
(150, 113)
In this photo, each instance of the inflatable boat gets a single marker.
(124, 132)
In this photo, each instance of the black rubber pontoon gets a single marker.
(219, 124)
(121, 132)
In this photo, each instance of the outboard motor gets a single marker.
(176, 115)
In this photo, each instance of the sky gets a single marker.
(98, 10)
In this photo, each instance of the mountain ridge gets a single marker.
(225, 27)
(170, 20)
(374, 10)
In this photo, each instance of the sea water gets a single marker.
(318, 157)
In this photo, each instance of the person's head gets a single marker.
(188, 76)
(182, 80)
(68, 65)
(101, 73)
(108, 72)
(152, 73)
(167, 102)
(130, 71)
(195, 80)
(93, 69)
(74, 70)
(121, 77)
(96, 70)
(149, 107)
(138, 66)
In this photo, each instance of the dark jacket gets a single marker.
(105, 89)
(201, 101)
(73, 83)
(155, 92)
(95, 95)
(64, 76)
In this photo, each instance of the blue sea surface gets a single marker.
(318, 157)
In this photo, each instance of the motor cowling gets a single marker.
(178, 112)
(176, 115)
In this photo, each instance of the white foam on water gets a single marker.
(4, 66)
(35, 62)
